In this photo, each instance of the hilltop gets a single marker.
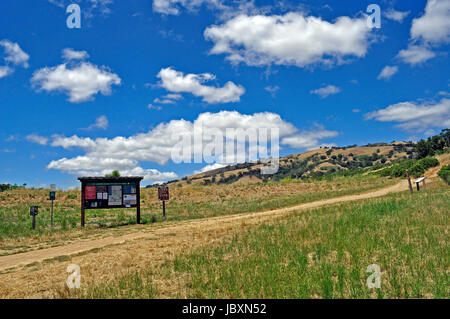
(311, 164)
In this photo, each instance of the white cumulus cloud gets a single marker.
(309, 139)
(428, 32)
(71, 54)
(290, 39)
(177, 82)
(164, 101)
(395, 15)
(387, 72)
(208, 168)
(158, 144)
(90, 166)
(90, 8)
(169, 7)
(37, 139)
(416, 54)
(434, 25)
(13, 55)
(5, 71)
(227, 9)
(326, 91)
(80, 81)
(101, 122)
(415, 116)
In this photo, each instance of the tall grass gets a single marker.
(320, 253)
(324, 253)
(190, 202)
(132, 285)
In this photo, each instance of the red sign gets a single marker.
(91, 192)
(163, 193)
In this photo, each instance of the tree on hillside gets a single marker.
(4, 187)
(424, 149)
(433, 144)
(115, 173)
(445, 136)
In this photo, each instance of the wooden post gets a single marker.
(138, 203)
(164, 209)
(409, 181)
(418, 187)
(424, 183)
(82, 203)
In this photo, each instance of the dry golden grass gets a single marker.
(324, 253)
(147, 248)
(191, 201)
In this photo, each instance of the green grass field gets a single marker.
(189, 202)
(320, 253)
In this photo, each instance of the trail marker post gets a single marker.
(409, 181)
(52, 197)
(164, 209)
(163, 195)
(34, 211)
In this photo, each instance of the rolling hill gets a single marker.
(312, 164)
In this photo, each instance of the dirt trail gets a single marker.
(27, 258)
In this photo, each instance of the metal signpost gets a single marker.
(34, 211)
(110, 192)
(52, 197)
(163, 195)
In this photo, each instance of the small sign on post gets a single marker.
(417, 181)
(52, 197)
(34, 211)
(163, 195)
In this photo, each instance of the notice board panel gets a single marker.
(103, 195)
(115, 195)
(110, 192)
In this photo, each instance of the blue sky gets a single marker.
(110, 94)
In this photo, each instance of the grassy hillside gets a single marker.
(324, 162)
(312, 164)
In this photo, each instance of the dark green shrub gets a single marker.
(416, 168)
(444, 173)
(4, 187)
(422, 165)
